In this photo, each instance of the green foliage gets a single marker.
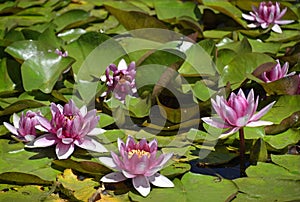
(186, 53)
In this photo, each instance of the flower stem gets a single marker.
(242, 153)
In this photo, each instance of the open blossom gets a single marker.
(121, 80)
(267, 15)
(24, 127)
(138, 162)
(277, 72)
(237, 112)
(70, 126)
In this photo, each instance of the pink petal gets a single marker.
(113, 177)
(242, 121)
(12, 129)
(130, 143)
(229, 114)
(283, 22)
(67, 140)
(142, 166)
(44, 123)
(29, 138)
(128, 175)
(216, 106)
(229, 132)
(121, 146)
(122, 65)
(117, 160)
(141, 184)
(215, 122)
(153, 145)
(96, 131)
(45, 140)
(109, 162)
(252, 25)
(83, 110)
(90, 144)
(281, 14)
(284, 68)
(264, 25)
(160, 180)
(165, 159)
(277, 29)
(262, 112)
(259, 123)
(63, 151)
(16, 120)
(248, 17)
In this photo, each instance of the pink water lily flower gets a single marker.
(24, 127)
(139, 162)
(267, 15)
(237, 112)
(68, 127)
(120, 80)
(277, 72)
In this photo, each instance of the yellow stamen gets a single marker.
(71, 117)
(140, 153)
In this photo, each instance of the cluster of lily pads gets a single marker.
(101, 100)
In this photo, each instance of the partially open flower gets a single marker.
(70, 126)
(120, 80)
(277, 72)
(237, 112)
(267, 15)
(137, 161)
(24, 126)
(61, 53)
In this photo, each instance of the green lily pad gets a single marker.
(175, 169)
(290, 162)
(226, 8)
(213, 188)
(77, 189)
(28, 193)
(87, 167)
(132, 17)
(258, 189)
(71, 18)
(42, 71)
(6, 82)
(193, 66)
(111, 136)
(162, 194)
(137, 106)
(282, 140)
(285, 106)
(174, 9)
(16, 159)
(270, 171)
(201, 91)
(242, 65)
(17, 106)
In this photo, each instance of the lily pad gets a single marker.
(258, 189)
(76, 189)
(162, 194)
(16, 159)
(212, 188)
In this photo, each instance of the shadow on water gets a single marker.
(230, 170)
